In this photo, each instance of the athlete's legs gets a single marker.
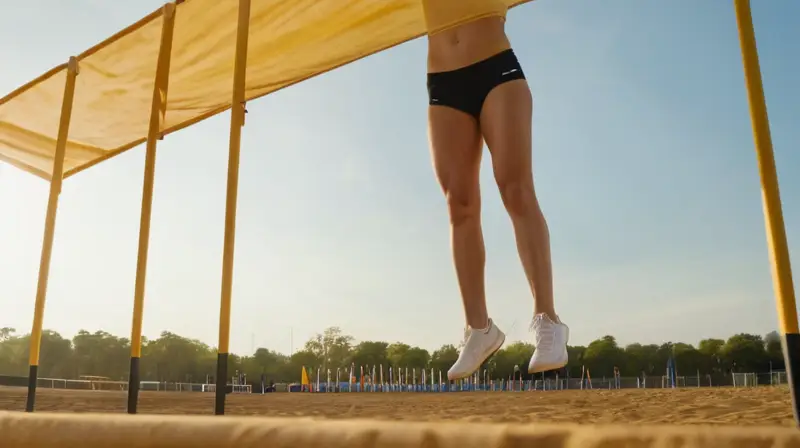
(506, 125)
(456, 147)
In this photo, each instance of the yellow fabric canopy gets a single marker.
(290, 40)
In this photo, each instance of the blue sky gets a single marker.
(643, 157)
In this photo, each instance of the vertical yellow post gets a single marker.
(157, 113)
(773, 215)
(237, 121)
(49, 231)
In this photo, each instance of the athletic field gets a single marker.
(729, 406)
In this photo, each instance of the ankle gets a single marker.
(481, 323)
(551, 314)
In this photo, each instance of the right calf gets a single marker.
(469, 255)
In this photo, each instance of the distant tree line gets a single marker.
(174, 358)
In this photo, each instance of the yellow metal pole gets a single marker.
(157, 112)
(49, 231)
(770, 195)
(237, 121)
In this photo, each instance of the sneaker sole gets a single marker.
(502, 341)
(548, 367)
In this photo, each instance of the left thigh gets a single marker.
(506, 126)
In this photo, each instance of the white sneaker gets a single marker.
(550, 339)
(477, 347)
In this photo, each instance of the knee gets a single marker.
(463, 205)
(518, 196)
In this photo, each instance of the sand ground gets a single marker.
(743, 406)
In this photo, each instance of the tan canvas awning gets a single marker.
(290, 40)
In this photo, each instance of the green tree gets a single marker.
(602, 355)
(640, 359)
(745, 353)
(303, 358)
(416, 358)
(101, 354)
(515, 354)
(331, 347)
(403, 356)
(172, 357)
(14, 355)
(55, 355)
(688, 359)
(711, 349)
(370, 353)
(264, 362)
(443, 358)
(575, 361)
(56, 358)
(396, 353)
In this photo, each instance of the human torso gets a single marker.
(462, 32)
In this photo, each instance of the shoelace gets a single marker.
(544, 332)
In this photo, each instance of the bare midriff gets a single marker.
(466, 44)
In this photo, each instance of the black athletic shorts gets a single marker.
(466, 88)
